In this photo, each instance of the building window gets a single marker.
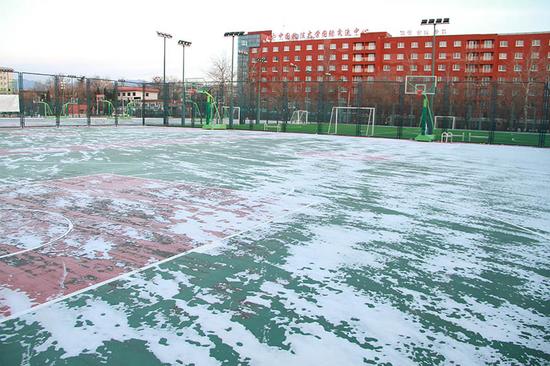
(414, 44)
(296, 78)
(275, 49)
(286, 59)
(502, 56)
(534, 67)
(345, 67)
(331, 68)
(332, 57)
(320, 57)
(297, 58)
(345, 46)
(370, 78)
(488, 43)
(309, 47)
(519, 43)
(517, 68)
(414, 56)
(442, 56)
(308, 78)
(264, 49)
(345, 56)
(308, 58)
(357, 68)
(254, 50)
(502, 68)
(370, 68)
(455, 79)
(399, 67)
(486, 68)
(320, 68)
(400, 56)
(518, 56)
(535, 42)
(146, 94)
(535, 55)
(428, 44)
(400, 44)
(387, 57)
(456, 55)
(275, 59)
(333, 46)
(414, 68)
(308, 68)
(286, 48)
(503, 43)
(399, 79)
(320, 46)
(285, 68)
(427, 56)
(487, 56)
(297, 47)
(457, 44)
(456, 67)
(427, 67)
(387, 68)
(501, 79)
(387, 46)
(440, 67)
(442, 43)
(274, 69)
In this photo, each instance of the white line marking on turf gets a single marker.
(201, 249)
(69, 229)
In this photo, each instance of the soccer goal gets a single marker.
(299, 117)
(226, 111)
(445, 122)
(352, 115)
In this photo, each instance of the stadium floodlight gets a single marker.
(232, 35)
(164, 36)
(183, 44)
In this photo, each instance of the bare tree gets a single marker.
(220, 69)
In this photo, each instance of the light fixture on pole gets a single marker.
(183, 44)
(164, 93)
(232, 35)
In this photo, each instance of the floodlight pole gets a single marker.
(183, 44)
(232, 35)
(165, 111)
(259, 61)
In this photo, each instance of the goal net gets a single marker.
(226, 110)
(363, 116)
(445, 122)
(299, 117)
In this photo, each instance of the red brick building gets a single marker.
(373, 56)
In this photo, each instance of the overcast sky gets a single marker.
(117, 38)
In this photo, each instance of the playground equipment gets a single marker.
(47, 109)
(128, 110)
(211, 113)
(65, 108)
(110, 107)
(422, 86)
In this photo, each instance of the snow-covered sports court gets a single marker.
(154, 246)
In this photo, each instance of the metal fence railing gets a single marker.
(514, 113)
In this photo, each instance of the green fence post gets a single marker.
(491, 139)
(57, 101)
(88, 104)
(400, 110)
(143, 104)
(21, 101)
(115, 104)
(545, 123)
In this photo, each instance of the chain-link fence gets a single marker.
(478, 112)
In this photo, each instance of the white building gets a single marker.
(128, 93)
(7, 81)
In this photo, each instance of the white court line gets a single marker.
(202, 249)
(69, 229)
